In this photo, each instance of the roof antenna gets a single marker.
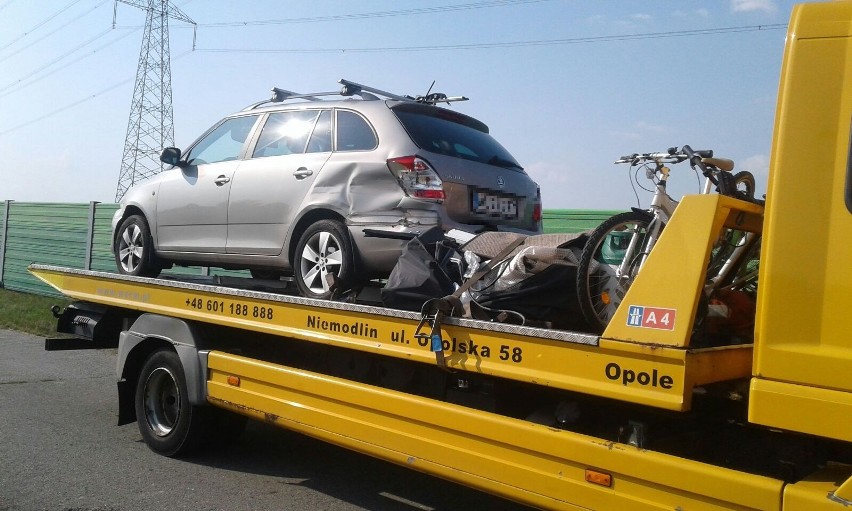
(430, 89)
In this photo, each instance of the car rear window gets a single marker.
(453, 134)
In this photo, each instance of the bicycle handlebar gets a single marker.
(717, 171)
(723, 181)
(672, 155)
(694, 159)
(667, 157)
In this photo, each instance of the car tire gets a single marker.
(324, 248)
(134, 248)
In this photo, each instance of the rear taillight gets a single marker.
(536, 216)
(417, 178)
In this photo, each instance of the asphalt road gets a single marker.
(61, 450)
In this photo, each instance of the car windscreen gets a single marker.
(452, 134)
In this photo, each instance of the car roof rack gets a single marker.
(356, 89)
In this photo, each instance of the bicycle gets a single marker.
(618, 248)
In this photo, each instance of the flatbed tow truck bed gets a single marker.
(654, 375)
(631, 419)
(515, 458)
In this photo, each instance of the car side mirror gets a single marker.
(171, 156)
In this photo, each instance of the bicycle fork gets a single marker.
(633, 260)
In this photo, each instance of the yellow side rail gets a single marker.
(538, 465)
(648, 374)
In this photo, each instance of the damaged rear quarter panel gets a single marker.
(353, 183)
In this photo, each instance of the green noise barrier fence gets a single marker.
(78, 235)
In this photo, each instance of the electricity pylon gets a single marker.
(151, 124)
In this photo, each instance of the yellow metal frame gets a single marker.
(802, 408)
(673, 277)
(649, 374)
(821, 491)
(519, 460)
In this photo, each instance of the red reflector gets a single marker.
(234, 381)
(536, 216)
(430, 194)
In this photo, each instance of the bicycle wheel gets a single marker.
(608, 265)
(744, 184)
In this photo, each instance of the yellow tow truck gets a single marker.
(638, 418)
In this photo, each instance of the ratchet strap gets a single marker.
(435, 310)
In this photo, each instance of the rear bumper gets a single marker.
(378, 253)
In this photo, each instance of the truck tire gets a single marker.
(599, 291)
(169, 424)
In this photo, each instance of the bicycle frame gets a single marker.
(662, 207)
(628, 238)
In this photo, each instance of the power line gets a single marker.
(39, 24)
(66, 107)
(510, 44)
(78, 102)
(57, 29)
(653, 35)
(54, 61)
(368, 15)
(380, 14)
(60, 68)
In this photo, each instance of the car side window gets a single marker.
(354, 133)
(286, 133)
(321, 139)
(224, 143)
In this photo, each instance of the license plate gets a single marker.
(494, 205)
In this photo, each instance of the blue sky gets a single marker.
(565, 109)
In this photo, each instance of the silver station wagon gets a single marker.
(322, 184)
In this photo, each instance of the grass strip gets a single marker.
(29, 313)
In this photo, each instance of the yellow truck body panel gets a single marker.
(802, 340)
(526, 462)
(672, 279)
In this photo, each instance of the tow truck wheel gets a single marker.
(134, 248)
(169, 424)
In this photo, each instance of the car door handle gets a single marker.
(222, 180)
(302, 173)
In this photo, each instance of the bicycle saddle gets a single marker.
(720, 163)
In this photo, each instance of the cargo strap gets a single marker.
(432, 314)
(435, 310)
